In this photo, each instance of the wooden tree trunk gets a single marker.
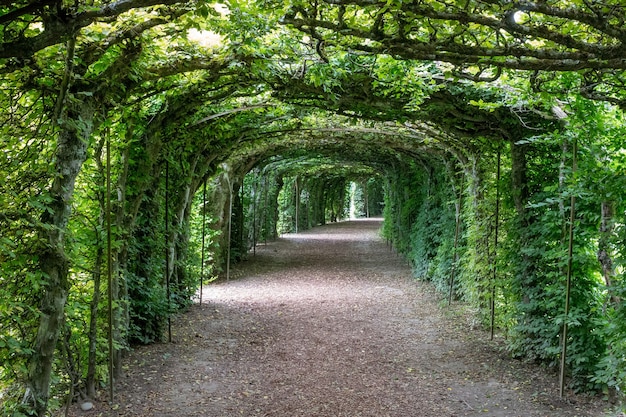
(90, 379)
(92, 335)
(70, 155)
(605, 256)
(218, 199)
(479, 230)
(519, 181)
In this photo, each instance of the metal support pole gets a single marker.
(457, 232)
(495, 249)
(265, 209)
(568, 284)
(254, 225)
(203, 239)
(367, 202)
(167, 250)
(109, 271)
(230, 228)
(297, 203)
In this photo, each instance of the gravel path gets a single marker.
(329, 323)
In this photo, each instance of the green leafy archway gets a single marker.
(277, 111)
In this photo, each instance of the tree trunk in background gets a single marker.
(90, 378)
(479, 230)
(139, 173)
(237, 245)
(519, 185)
(201, 169)
(218, 198)
(92, 335)
(273, 198)
(242, 241)
(519, 180)
(317, 204)
(605, 256)
(180, 240)
(525, 271)
(70, 155)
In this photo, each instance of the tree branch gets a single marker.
(96, 50)
(30, 9)
(496, 39)
(56, 31)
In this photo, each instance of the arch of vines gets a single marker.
(146, 144)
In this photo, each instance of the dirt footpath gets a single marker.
(329, 323)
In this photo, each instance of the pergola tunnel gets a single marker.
(149, 146)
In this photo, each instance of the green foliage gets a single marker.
(149, 310)
(541, 302)
(144, 275)
(431, 254)
(311, 132)
(531, 257)
(375, 196)
(539, 274)
(194, 256)
(286, 207)
(611, 368)
(400, 209)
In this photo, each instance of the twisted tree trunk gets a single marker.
(70, 155)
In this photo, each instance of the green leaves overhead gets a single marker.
(481, 38)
